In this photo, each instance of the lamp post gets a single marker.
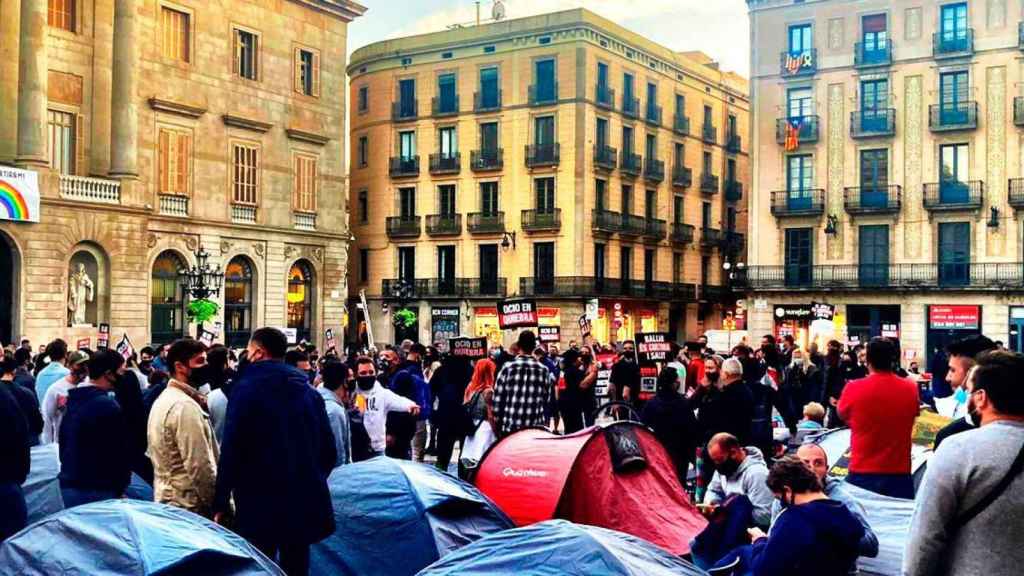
(201, 281)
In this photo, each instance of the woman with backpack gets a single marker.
(478, 404)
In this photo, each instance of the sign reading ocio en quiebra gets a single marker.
(517, 313)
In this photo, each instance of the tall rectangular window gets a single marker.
(602, 133)
(626, 263)
(544, 80)
(600, 194)
(954, 253)
(627, 139)
(446, 264)
(407, 203)
(800, 39)
(246, 173)
(627, 199)
(677, 209)
(544, 130)
(731, 126)
(174, 162)
(652, 147)
(246, 54)
(652, 100)
(62, 141)
(447, 145)
(544, 262)
(363, 100)
(364, 265)
(489, 137)
(628, 93)
(677, 267)
(873, 255)
(176, 34)
(407, 144)
(730, 170)
(708, 116)
(953, 22)
(602, 77)
(798, 256)
(364, 151)
(953, 175)
(799, 103)
(489, 198)
(706, 163)
(307, 72)
(651, 204)
(680, 157)
(488, 269)
(680, 105)
(61, 14)
(649, 264)
(447, 94)
(364, 207)
(545, 189)
(407, 98)
(305, 179)
(874, 33)
(705, 214)
(407, 263)
(489, 90)
(599, 261)
(446, 199)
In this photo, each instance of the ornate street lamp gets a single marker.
(201, 281)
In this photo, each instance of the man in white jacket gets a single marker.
(375, 401)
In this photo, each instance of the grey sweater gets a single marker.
(962, 471)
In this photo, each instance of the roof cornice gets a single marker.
(343, 9)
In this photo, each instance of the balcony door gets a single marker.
(954, 253)
(488, 268)
(545, 190)
(489, 88)
(446, 200)
(799, 257)
(799, 103)
(407, 203)
(489, 199)
(448, 144)
(873, 266)
(953, 23)
(544, 267)
(875, 36)
(544, 77)
(627, 140)
(407, 97)
(953, 94)
(800, 39)
(446, 270)
(953, 175)
(799, 179)
(543, 133)
(651, 149)
(874, 104)
(874, 178)
(407, 145)
(446, 92)
(407, 263)
(602, 135)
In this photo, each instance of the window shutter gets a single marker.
(184, 166)
(236, 50)
(314, 184)
(163, 162)
(79, 167)
(316, 74)
(296, 182)
(297, 69)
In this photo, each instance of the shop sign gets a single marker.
(19, 195)
(822, 311)
(794, 312)
(891, 331)
(954, 317)
(517, 313)
(549, 333)
(465, 347)
(653, 346)
(444, 324)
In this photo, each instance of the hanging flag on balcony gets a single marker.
(19, 195)
(792, 141)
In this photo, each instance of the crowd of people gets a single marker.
(248, 438)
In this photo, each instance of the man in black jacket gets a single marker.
(14, 465)
(26, 397)
(670, 416)
(277, 452)
(95, 440)
(727, 406)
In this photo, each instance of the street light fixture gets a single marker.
(202, 280)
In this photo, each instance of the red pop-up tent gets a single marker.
(617, 477)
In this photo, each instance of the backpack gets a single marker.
(473, 413)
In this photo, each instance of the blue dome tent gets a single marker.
(395, 517)
(564, 548)
(122, 537)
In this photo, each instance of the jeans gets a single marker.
(78, 496)
(13, 513)
(292, 558)
(892, 485)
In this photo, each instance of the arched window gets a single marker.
(167, 299)
(238, 296)
(300, 300)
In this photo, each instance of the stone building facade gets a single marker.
(161, 127)
(559, 157)
(888, 174)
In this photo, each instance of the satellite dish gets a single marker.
(498, 10)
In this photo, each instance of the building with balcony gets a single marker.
(157, 129)
(891, 187)
(583, 179)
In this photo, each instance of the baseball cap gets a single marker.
(77, 357)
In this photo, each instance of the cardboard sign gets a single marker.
(954, 317)
(103, 338)
(83, 344)
(329, 341)
(584, 323)
(653, 346)
(549, 333)
(125, 348)
(648, 381)
(890, 330)
(465, 347)
(518, 313)
(604, 373)
(207, 337)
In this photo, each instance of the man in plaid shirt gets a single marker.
(522, 389)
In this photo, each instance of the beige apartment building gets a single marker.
(558, 157)
(158, 128)
(888, 165)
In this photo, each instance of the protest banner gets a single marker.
(517, 313)
(83, 344)
(125, 348)
(103, 337)
(465, 347)
(549, 333)
(653, 346)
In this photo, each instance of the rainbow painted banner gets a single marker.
(19, 195)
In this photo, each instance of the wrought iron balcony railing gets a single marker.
(445, 163)
(630, 106)
(654, 169)
(733, 190)
(807, 202)
(953, 116)
(631, 164)
(711, 237)
(606, 221)
(1018, 109)
(653, 115)
(655, 229)
(541, 221)
(485, 222)
(681, 233)
(733, 143)
(952, 43)
(873, 199)
(445, 106)
(403, 226)
(954, 195)
(419, 288)
(538, 155)
(633, 225)
(709, 133)
(681, 125)
(404, 110)
(604, 96)
(873, 123)
(906, 276)
(487, 159)
(1015, 193)
(543, 95)
(682, 176)
(444, 224)
(794, 131)
(487, 101)
(591, 286)
(709, 183)
(868, 54)
(604, 157)
(402, 166)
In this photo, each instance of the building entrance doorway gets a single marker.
(8, 289)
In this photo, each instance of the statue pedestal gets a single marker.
(80, 332)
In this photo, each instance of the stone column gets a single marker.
(32, 84)
(124, 118)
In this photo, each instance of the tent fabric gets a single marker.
(649, 503)
(890, 520)
(42, 487)
(120, 537)
(525, 473)
(395, 517)
(558, 547)
(534, 475)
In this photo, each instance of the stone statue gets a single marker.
(80, 291)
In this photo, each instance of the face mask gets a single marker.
(727, 468)
(629, 355)
(960, 395)
(712, 376)
(146, 367)
(366, 382)
(798, 361)
(384, 364)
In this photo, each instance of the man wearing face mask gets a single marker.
(962, 355)
(625, 377)
(182, 446)
(739, 471)
(277, 453)
(403, 378)
(724, 401)
(376, 402)
(55, 401)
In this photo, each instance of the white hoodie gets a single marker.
(375, 404)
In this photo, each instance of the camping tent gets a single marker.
(118, 537)
(395, 517)
(890, 520)
(836, 444)
(564, 548)
(42, 488)
(617, 477)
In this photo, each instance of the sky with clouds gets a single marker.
(717, 27)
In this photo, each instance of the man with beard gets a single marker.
(376, 402)
(405, 378)
(962, 355)
(181, 440)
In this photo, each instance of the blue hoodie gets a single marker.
(95, 442)
(820, 538)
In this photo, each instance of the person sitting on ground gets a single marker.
(967, 515)
(880, 411)
(962, 355)
(95, 442)
(813, 421)
(738, 471)
(812, 535)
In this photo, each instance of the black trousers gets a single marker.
(13, 511)
(572, 414)
(446, 439)
(292, 558)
